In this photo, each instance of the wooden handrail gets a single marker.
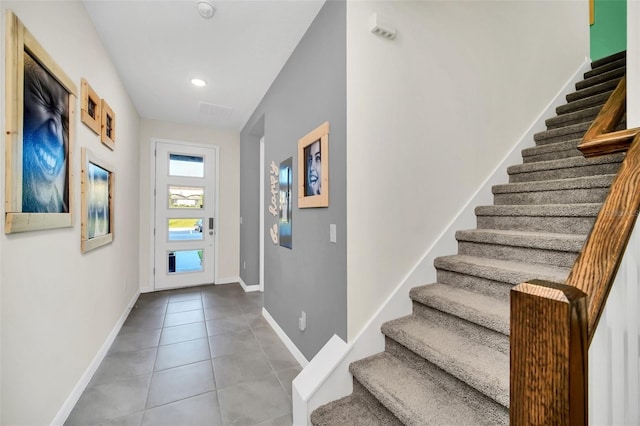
(597, 264)
(553, 324)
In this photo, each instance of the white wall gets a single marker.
(58, 305)
(432, 113)
(614, 354)
(228, 226)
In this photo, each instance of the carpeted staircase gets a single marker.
(448, 362)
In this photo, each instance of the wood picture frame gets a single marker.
(313, 168)
(39, 159)
(285, 219)
(97, 203)
(108, 125)
(90, 107)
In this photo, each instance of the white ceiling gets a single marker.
(158, 46)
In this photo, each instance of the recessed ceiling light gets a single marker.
(198, 82)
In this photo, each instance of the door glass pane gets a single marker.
(186, 165)
(183, 197)
(184, 261)
(181, 229)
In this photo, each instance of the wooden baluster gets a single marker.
(549, 353)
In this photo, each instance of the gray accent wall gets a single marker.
(312, 276)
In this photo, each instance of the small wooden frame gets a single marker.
(39, 159)
(98, 188)
(90, 108)
(108, 125)
(313, 168)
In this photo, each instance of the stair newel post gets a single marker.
(549, 354)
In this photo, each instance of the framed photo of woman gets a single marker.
(313, 168)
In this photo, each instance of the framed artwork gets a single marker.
(108, 125)
(40, 117)
(90, 107)
(98, 188)
(285, 184)
(313, 168)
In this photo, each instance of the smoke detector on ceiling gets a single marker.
(206, 9)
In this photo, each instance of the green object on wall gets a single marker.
(608, 34)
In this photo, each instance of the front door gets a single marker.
(184, 215)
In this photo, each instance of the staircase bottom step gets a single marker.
(420, 399)
(354, 409)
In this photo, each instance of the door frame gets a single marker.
(152, 204)
(261, 215)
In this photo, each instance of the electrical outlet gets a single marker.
(244, 265)
(302, 321)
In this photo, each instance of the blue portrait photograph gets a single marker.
(98, 201)
(45, 147)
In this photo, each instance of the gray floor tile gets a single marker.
(279, 356)
(181, 318)
(285, 377)
(184, 295)
(240, 367)
(183, 333)
(182, 353)
(137, 323)
(218, 299)
(266, 335)
(255, 319)
(189, 305)
(124, 365)
(251, 302)
(152, 300)
(221, 311)
(135, 341)
(179, 383)
(253, 402)
(134, 419)
(232, 343)
(286, 420)
(222, 325)
(201, 410)
(110, 401)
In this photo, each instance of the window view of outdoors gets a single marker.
(186, 165)
(185, 261)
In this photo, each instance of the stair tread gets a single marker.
(539, 240)
(561, 131)
(586, 102)
(552, 147)
(540, 210)
(608, 59)
(474, 307)
(593, 90)
(414, 398)
(622, 62)
(597, 181)
(350, 410)
(508, 271)
(602, 77)
(564, 163)
(587, 114)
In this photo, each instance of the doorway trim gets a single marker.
(261, 216)
(152, 204)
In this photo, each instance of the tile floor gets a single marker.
(198, 356)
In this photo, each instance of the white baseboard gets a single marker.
(248, 288)
(76, 393)
(336, 383)
(285, 339)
